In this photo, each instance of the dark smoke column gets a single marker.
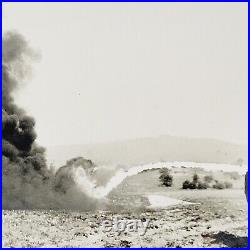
(24, 164)
(27, 182)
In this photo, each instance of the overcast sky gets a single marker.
(111, 71)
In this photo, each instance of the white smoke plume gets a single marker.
(88, 185)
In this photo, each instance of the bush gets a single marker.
(195, 184)
(195, 178)
(189, 185)
(165, 177)
(192, 185)
(208, 178)
(202, 185)
(186, 184)
(228, 184)
(219, 185)
(222, 185)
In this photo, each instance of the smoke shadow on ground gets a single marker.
(230, 240)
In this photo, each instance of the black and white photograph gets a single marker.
(125, 124)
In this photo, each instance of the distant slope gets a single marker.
(163, 148)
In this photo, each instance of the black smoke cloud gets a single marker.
(27, 181)
(18, 129)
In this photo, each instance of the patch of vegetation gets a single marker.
(207, 183)
(222, 185)
(166, 178)
(195, 184)
(188, 185)
(234, 175)
(208, 178)
(202, 185)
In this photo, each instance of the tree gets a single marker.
(165, 177)
(195, 178)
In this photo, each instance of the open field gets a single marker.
(215, 218)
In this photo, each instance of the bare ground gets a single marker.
(219, 220)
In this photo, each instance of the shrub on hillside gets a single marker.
(228, 184)
(196, 178)
(219, 185)
(208, 181)
(195, 184)
(186, 184)
(202, 185)
(222, 185)
(208, 178)
(166, 178)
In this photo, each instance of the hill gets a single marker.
(144, 150)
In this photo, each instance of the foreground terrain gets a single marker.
(209, 218)
(195, 225)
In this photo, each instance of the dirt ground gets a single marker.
(214, 222)
(216, 218)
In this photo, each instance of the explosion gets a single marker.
(27, 181)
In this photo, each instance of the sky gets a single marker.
(114, 71)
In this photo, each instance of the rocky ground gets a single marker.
(196, 225)
(215, 218)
